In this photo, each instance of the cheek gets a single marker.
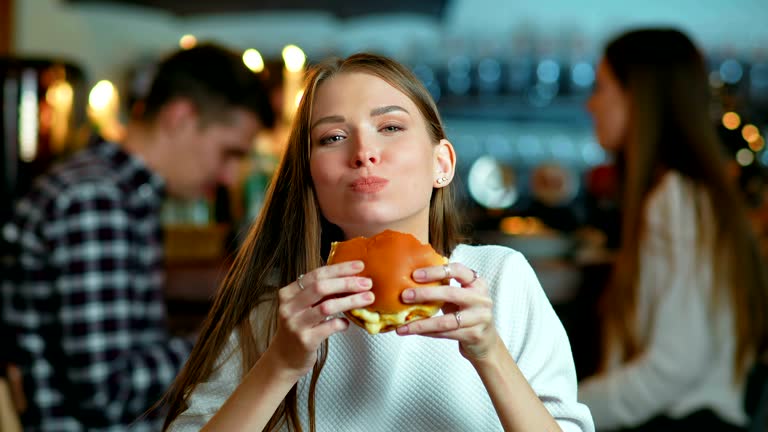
(420, 170)
(322, 174)
(610, 120)
(604, 109)
(619, 121)
(326, 181)
(206, 156)
(199, 163)
(315, 164)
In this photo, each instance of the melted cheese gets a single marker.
(375, 322)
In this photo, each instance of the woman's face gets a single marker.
(372, 162)
(609, 106)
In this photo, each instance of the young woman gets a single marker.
(685, 316)
(505, 364)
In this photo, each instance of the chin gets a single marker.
(370, 221)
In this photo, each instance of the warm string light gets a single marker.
(253, 60)
(522, 225)
(731, 120)
(750, 133)
(293, 79)
(188, 41)
(758, 144)
(101, 95)
(60, 97)
(294, 58)
(103, 107)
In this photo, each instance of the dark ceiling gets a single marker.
(339, 8)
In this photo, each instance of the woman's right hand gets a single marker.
(306, 316)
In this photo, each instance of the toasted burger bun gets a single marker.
(390, 258)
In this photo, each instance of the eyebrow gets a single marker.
(387, 109)
(374, 112)
(328, 119)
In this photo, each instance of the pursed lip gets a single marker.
(369, 184)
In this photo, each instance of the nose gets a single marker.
(365, 154)
(365, 159)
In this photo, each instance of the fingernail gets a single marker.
(357, 265)
(364, 282)
(420, 275)
(408, 295)
(368, 296)
(402, 330)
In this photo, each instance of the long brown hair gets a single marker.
(291, 237)
(665, 78)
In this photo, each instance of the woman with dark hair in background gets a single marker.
(503, 363)
(684, 318)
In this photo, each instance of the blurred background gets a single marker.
(510, 79)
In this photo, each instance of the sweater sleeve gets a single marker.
(210, 395)
(537, 341)
(673, 294)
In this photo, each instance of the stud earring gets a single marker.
(442, 180)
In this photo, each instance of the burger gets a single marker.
(390, 259)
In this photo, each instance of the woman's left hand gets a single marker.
(468, 315)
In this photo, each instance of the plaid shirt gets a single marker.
(84, 297)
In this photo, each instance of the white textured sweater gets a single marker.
(688, 363)
(413, 383)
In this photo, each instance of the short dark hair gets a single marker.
(214, 79)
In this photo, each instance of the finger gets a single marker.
(333, 306)
(309, 339)
(326, 328)
(447, 294)
(461, 273)
(316, 291)
(349, 268)
(406, 330)
(446, 324)
(467, 325)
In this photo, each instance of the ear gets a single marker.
(177, 116)
(444, 163)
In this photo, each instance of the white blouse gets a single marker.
(688, 364)
(388, 382)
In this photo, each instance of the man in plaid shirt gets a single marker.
(84, 297)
